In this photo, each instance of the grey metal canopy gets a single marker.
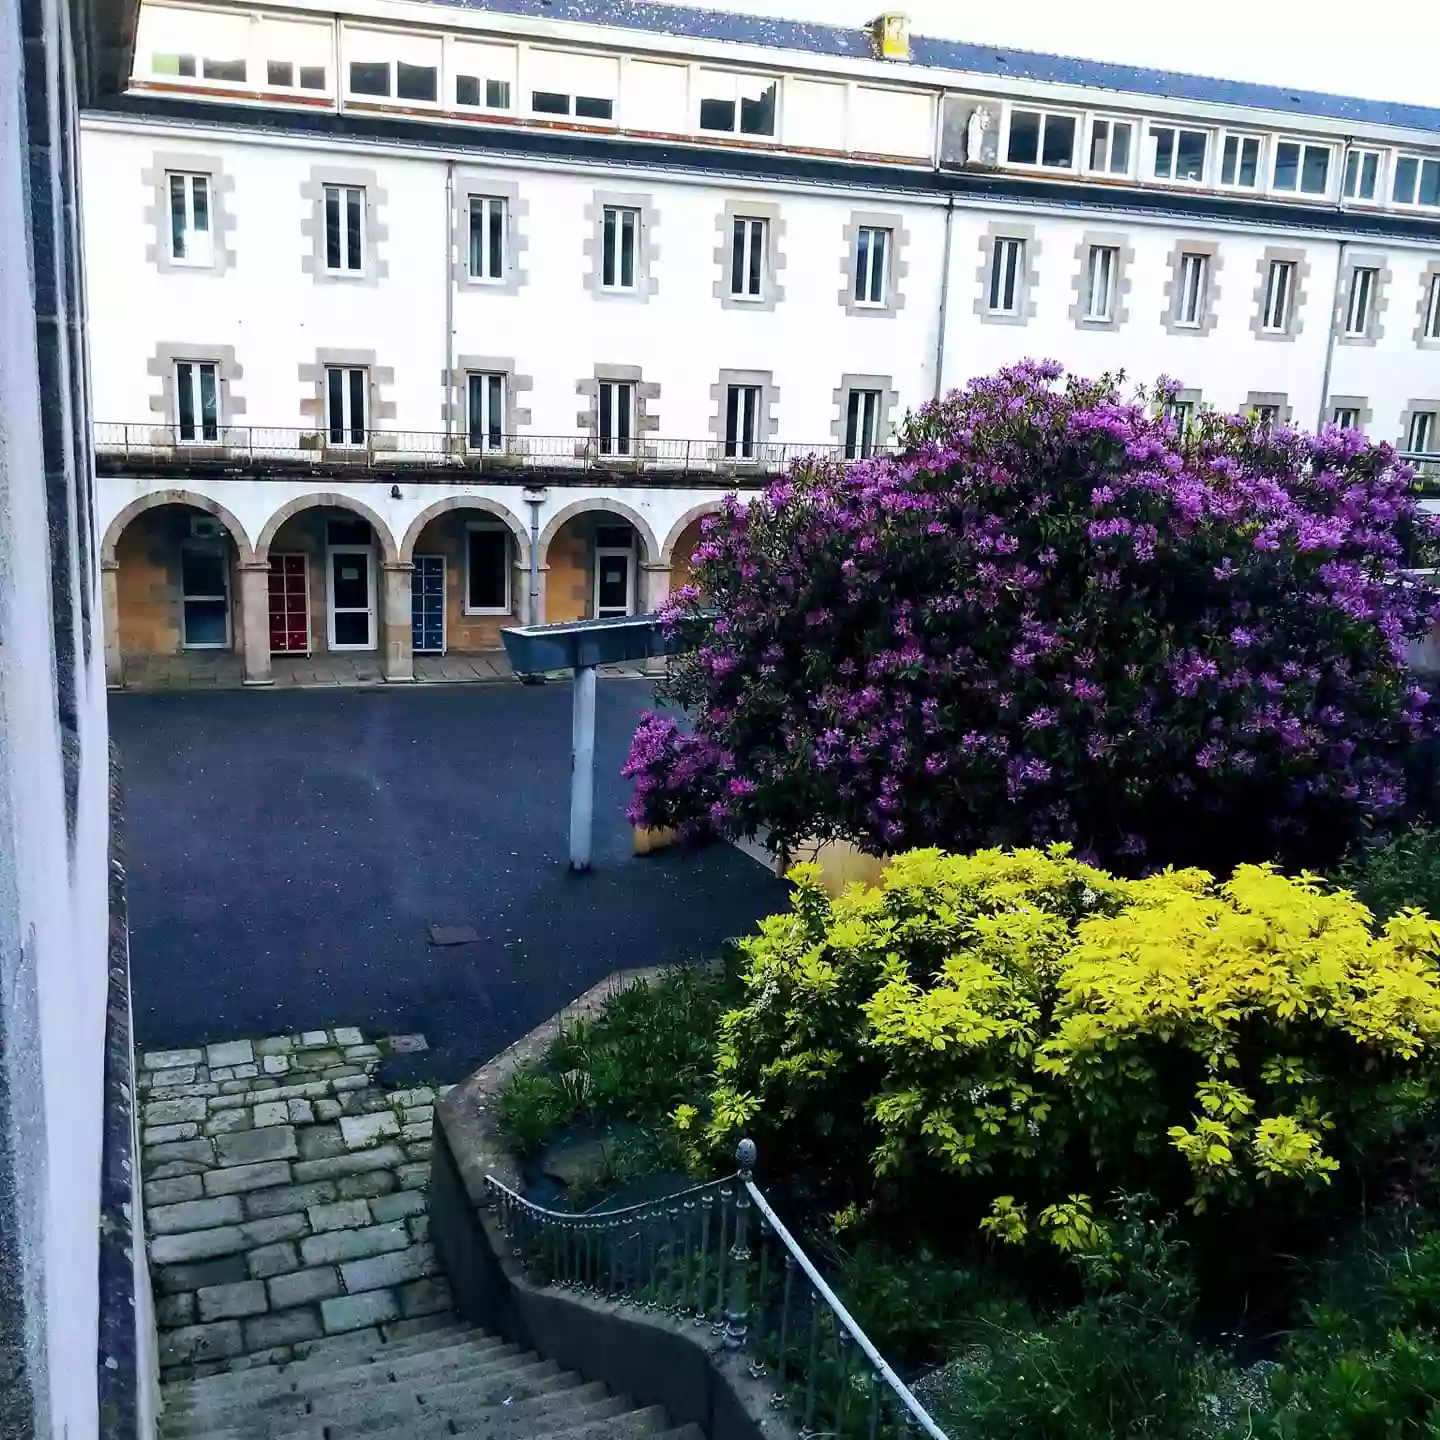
(582, 644)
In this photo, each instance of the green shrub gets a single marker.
(1396, 873)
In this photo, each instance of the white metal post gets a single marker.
(582, 767)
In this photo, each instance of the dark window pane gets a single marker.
(622, 419)
(607, 431)
(757, 117)
(627, 249)
(1249, 163)
(312, 77)
(335, 384)
(475, 410)
(206, 623)
(1024, 148)
(1190, 155)
(737, 259)
(209, 407)
(607, 264)
(717, 115)
(495, 430)
(589, 107)
(1287, 166)
(349, 532)
(280, 72)
(862, 263)
(354, 254)
(549, 102)
(757, 254)
(233, 70)
(852, 424)
(416, 82)
(200, 203)
(177, 216)
(1407, 170)
(202, 571)
(1059, 141)
(352, 627)
(1164, 152)
(1430, 183)
(1120, 150)
(614, 537)
(732, 419)
(467, 90)
(877, 265)
(489, 564)
(1315, 177)
(496, 211)
(332, 229)
(369, 77)
(357, 407)
(497, 94)
(185, 400)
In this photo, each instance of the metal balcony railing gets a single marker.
(246, 445)
(698, 1255)
(1427, 469)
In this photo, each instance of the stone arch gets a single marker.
(138, 507)
(327, 501)
(649, 550)
(467, 502)
(694, 513)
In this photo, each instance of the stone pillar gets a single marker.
(110, 618)
(396, 630)
(255, 620)
(654, 593)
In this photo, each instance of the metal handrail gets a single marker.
(658, 1255)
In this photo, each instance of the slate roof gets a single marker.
(692, 22)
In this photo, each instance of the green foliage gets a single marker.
(1396, 873)
(532, 1107)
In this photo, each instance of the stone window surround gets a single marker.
(767, 425)
(1430, 276)
(897, 266)
(889, 400)
(161, 366)
(1379, 299)
(773, 290)
(646, 249)
(1188, 395)
(1412, 408)
(646, 422)
(1124, 259)
(1277, 398)
(312, 192)
(1295, 320)
(478, 185)
(1193, 246)
(157, 214)
(1028, 280)
(1358, 403)
(312, 379)
(455, 408)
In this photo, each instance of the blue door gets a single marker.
(427, 605)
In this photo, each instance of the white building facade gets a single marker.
(422, 319)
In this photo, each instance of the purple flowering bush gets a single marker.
(1055, 615)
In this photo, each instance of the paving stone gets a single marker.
(349, 1082)
(173, 1279)
(344, 1215)
(276, 1064)
(407, 1099)
(288, 1199)
(197, 1245)
(444, 1090)
(304, 1287)
(404, 1044)
(218, 1103)
(360, 1102)
(275, 1227)
(239, 1178)
(314, 1037)
(231, 1052)
(354, 1312)
(352, 1053)
(194, 1215)
(164, 1134)
(386, 1157)
(308, 1090)
(340, 1071)
(419, 1226)
(246, 1072)
(316, 1059)
(347, 1035)
(244, 1147)
(275, 1045)
(338, 1245)
(413, 1263)
(418, 1150)
(228, 1302)
(268, 1260)
(192, 1343)
(197, 1152)
(203, 1089)
(172, 1112)
(366, 1185)
(425, 1297)
(302, 1112)
(265, 1082)
(327, 1109)
(225, 1072)
(360, 1130)
(235, 1087)
(415, 1177)
(272, 1112)
(180, 1075)
(419, 1115)
(270, 1355)
(317, 1142)
(171, 1192)
(286, 1328)
(171, 1059)
(416, 1134)
(174, 1310)
(226, 1122)
(397, 1207)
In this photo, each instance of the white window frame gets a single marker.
(1430, 324)
(1183, 412)
(367, 554)
(1079, 136)
(614, 399)
(491, 394)
(612, 248)
(864, 421)
(350, 264)
(1279, 300)
(347, 427)
(1007, 272)
(1107, 169)
(871, 276)
(1358, 155)
(198, 245)
(489, 206)
(508, 564)
(208, 547)
(758, 84)
(1192, 285)
(1152, 131)
(1101, 259)
(745, 243)
(1266, 414)
(1241, 139)
(743, 403)
(1304, 147)
(1347, 417)
(1422, 163)
(195, 383)
(1423, 433)
(631, 555)
(1354, 309)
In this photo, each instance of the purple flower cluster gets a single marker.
(1056, 616)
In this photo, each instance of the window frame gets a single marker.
(1422, 164)
(1430, 308)
(487, 236)
(1078, 138)
(1135, 128)
(1152, 129)
(737, 128)
(1336, 411)
(194, 383)
(1088, 315)
(612, 248)
(215, 549)
(865, 276)
(864, 420)
(1304, 147)
(1241, 137)
(392, 93)
(608, 414)
(1000, 275)
(346, 235)
(744, 421)
(1192, 303)
(507, 567)
(347, 427)
(1428, 422)
(744, 251)
(1285, 272)
(487, 444)
(1357, 154)
(206, 259)
(1367, 313)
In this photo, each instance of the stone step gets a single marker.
(390, 1337)
(619, 1421)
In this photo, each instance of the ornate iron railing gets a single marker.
(698, 1254)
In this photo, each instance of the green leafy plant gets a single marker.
(1396, 873)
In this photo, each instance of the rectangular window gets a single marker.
(280, 74)
(1100, 272)
(1039, 138)
(197, 405)
(345, 392)
(204, 596)
(312, 77)
(1110, 145)
(171, 64)
(370, 77)
(862, 423)
(1006, 262)
(1302, 169)
(1417, 181)
(417, 82)
(1279, 292)
(737, 104)
(742, 421)
(190, 240)
(1194, 280)
(1362, 298)
(1431, 330)
(1266, 414)
(617, 417)
(1178, 154)
(488, 569)
(487, 237)
(1347, 417)
(621, 232)
(1240, 162)
(486, 411)
(468, 90)
(1423, 433)
(1362, 174)
(872, 265)
(1182, 412)
(344, 229)
(232, 71)
(747, 259)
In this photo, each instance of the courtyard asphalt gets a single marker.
(288, 852)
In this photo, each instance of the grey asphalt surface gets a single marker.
(288, 852)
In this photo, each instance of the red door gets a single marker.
(289, 605)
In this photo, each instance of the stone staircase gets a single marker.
(415, 1379)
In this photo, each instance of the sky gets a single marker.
(1378, 49)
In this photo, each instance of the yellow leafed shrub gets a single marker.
(1048, 1033)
